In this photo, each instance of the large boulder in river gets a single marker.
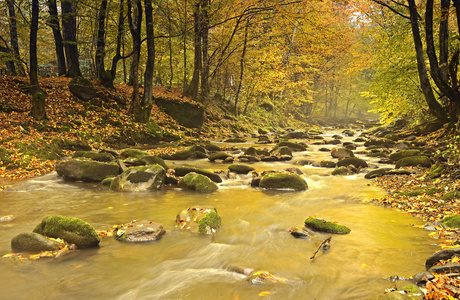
(32, 241)
(184, 170)
(86, 170)
(321, 225)
(418, 160)
(187, 114)
(198, 182)
(71, 230)
(82, 88)
(341, 153)
(357, 162)
(199, 219)
(141, 178)
(290, 181)
(140, 232)
(97, 156)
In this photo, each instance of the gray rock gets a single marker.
(140, 232)
(138, 179)
(34, 242)
(341, 153)
(441, 255)
(86, 170)
(82, 88)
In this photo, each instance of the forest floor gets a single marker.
(29, 148)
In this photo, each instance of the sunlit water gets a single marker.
(254, 235)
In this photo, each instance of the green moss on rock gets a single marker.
(240, 169)
(326, 226)
(342, 171)
(451, 195)
(293, 146)
(209, 223)
(154, 160)
(283, 180)
(452, 221)
(132, 153)
(104, 157)
(218, 156)
(72, 230)
(184, 170)
(357, 162)
(421, 160)
(198, 182)
(404, 153)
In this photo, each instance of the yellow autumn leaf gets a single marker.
(264, 293)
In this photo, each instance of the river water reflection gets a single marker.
(254, 235)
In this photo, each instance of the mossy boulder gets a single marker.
(240, 169)
(183, 170)
(212, 147)
(341, 153)
(32, 241)
(183, 154)
(186, 113)
(251, 151)
(290, 181)
(141, 178)
(404, 153)
(357, 162)
(71, 230)
(436, 171)
(199, 220)
(218, 156)
(293, 146)
(153, 160)
(82, 88)
(451, 195)
(86, 170)
(324, 164)
(140, 232)
(132, 153)
(198, 182)
(376, 173)
(97, 156)
(342, 171)
(419, 160)
(452, 221)
(279, 151)
(326, 226)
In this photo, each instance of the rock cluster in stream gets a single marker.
(136, 170)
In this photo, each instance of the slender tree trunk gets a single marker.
(240, 84)
(192, 90)
(147, 101)
(14, 38)
(100, 44)
(184, 88)
(435, 108)
(204, 48)
(135, 23)
(444, 39)
(117, 57)
(38, 101)
(69, 24)
(54, 24)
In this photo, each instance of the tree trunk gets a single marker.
(135, 22)
(14, 39)
(117, 56)
(54, 24)
(241, 68)
(69, 24)
(192, 90)
(100, 44)
(147, 101)
(184, 88)
(38, 101)
(435, 108)
(204, 48)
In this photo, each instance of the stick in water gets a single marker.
(326, 244)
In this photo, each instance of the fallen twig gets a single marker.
(325, 245)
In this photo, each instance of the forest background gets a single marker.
(265, 63)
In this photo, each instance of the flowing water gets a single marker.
(254, 235)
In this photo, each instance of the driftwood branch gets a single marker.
(325, 245)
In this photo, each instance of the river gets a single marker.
(254, 235)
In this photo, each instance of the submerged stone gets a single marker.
(140, 232)
(34, 242)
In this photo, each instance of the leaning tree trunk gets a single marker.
(69, 24)
(243, 54)
(54, 24)
(434, 106)
(38, 100)
(204, 48)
